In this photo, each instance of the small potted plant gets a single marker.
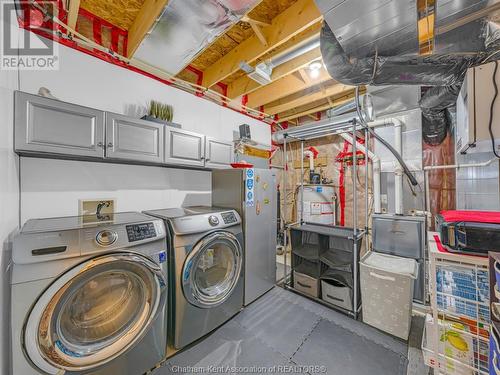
(161, 113)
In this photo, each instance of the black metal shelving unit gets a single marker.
(323, 264)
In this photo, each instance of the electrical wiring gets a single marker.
(492, 109)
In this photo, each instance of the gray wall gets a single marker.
(478, 188)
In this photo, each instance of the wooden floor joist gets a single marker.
(300, 99)
(285, 26)
(282, 88)
(150, 11)
(73, 8)
(315, 107)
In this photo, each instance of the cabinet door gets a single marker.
(134, 139)
(49, 126)
(184, 148)
(218, 154)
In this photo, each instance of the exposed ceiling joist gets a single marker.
(73, 8)
(245, 85)
(316, 107)
(300, 99)
(150, 11)
(282, 88)
(256, 21)
(258, 33)
(305, 77)
(285, 26)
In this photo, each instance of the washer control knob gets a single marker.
(106, 237)
(213, 221)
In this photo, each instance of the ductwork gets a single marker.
(185, 28)
(379, 46)
(436, 105)
(263, 71)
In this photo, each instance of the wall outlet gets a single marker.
(88, 209)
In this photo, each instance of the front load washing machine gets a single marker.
(206, 267)
(89, 297)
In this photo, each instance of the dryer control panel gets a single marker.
(138, 232)
(229, 217)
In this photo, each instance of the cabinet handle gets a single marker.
(110, 144)
(100, 144)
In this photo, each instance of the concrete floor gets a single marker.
(283, 332)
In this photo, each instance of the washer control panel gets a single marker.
(138, 232)
(213, 220)
(229, 217)
(106, 237)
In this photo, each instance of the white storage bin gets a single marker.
(306, 284)
(387, 284)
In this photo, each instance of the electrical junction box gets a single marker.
(473, 110)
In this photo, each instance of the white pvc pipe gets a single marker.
(398, 170)
(377, 206)
(309, 154)
(459, 166)
(451, 166)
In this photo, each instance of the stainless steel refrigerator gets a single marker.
(252, 192)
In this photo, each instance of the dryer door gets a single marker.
(94, 312)
(212, 270)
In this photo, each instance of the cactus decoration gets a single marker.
(161, 111)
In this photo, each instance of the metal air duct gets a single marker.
(376, 43)
(263, 71)
(185, 28)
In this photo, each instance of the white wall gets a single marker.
(53, 187)
(9, 202)
(477, 188)
(34, 188)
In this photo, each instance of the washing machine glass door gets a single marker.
(212, 270)
(94, 313)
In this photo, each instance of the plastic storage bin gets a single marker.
(387, 284)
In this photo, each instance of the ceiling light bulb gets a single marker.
(314, 73)
(315, 65)
(314, 68)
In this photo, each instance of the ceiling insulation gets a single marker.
(185, 28)
(121, 13)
